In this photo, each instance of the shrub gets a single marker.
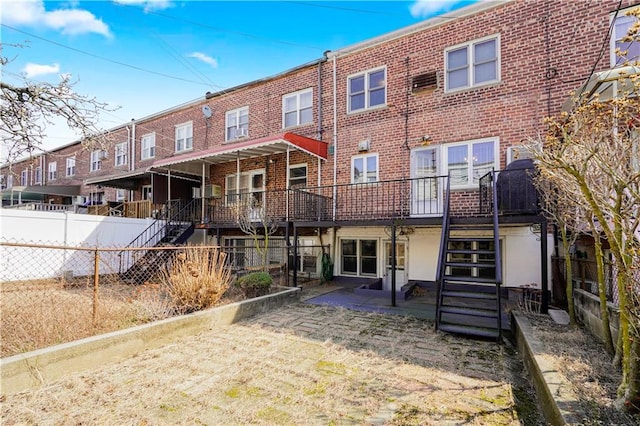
(255, 284)
(196, 279)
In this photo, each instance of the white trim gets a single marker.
(469, 144)
(367, 98)
(238, 133)
(469, 45)
(120, 157)
(52, 172)
(365, 171)
(149, 137)
(298, 109)
(188, 137)
(295, 166)
(72, 167)
(614, 36)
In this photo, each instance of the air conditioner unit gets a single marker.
(212, 191)
(518, 153)
(241, 132)
(103, 155)
(364, 145)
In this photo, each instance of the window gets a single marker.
(9, 181)
(71, 166)
(146, 192)
(120, 154)
(472, 64)
(96, 160)
(629, 49)
(467, 162)
(184, 137)
(53, 171)
(367, 90)
(148, 143)
(24, 178)
(297, 108)
(298, 176)
(364, 168)
(237, 124)
(120, 194)
(359, 257)
(3, 182)
(38, 176)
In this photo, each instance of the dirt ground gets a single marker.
(300, 364)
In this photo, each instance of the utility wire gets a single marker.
(103, 58)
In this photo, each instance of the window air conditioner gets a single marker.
(212, 191)
(241, 132)
(103, 155)
(364, 145)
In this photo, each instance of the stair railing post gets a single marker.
(393, 264)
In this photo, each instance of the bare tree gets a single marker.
(29, 108)
(254, 218)
(594, 151)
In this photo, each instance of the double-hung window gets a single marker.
(467, 162)
(297, 108)
(71, 166)
(24, 178)
(9, 181)
(96, 160)
(53, 171)
(184, 137)
(472, 64)
(121, 154)
(624, 49)
(37, 179)
(367, 90)
(364, 168)
(237, 124)
(298, 176)
(148, 143)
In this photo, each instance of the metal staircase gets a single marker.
(469, 276)
(137, 265)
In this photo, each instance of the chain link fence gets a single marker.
(51, 293)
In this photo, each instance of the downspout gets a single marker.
(334, 248)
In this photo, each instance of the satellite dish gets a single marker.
(206, 111)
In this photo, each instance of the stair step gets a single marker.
(476, 280)
(474, 312)
(469, 239)
(468, 295)
(462, 251)
(469, 265)
(469, 330)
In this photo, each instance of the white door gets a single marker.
(256, 195)
(426, 191)
(401, 265)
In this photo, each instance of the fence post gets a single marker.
(96, 281)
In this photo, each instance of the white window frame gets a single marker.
(3, 182)
(365, 171)
(366, 91)
(306, 174)
(471, 181)
(120, 194)
(52, 171)
(298, 109)
(120, 157)
(359, 257)
(232, 123)
(37, 176)
(184, 142)
(9, 181)
(24, 178)
(71, 166)
(146, 192)
(615, 36)
(148, 146)
(96, 160)
(470, 46)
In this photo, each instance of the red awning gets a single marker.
(231, 151)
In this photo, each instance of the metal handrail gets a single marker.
(443, 249)
(496, 244)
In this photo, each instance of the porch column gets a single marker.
(202, 194)
(295, 256)
(238, 174)
(287, 184)
(393, 264)
(544, 267)
(168, 184)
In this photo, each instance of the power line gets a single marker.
(103, 58)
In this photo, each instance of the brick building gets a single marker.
(392, 139)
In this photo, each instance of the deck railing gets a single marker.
(514, 189)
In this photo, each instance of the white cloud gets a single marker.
(429, 8)
(33, 70)
(149, 5)
(204, 58)
(67, 21)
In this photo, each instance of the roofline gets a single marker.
(432, 22)
(222, 92)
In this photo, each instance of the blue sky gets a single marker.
(146, 56)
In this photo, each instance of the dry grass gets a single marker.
(584, 362)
